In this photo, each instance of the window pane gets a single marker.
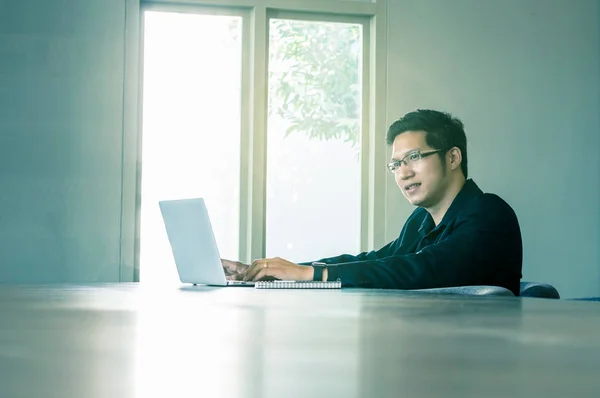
(191, 129)
(313, 168)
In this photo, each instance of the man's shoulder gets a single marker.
(492, 206)
(493, 200)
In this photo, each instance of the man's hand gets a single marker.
(278, 268)
(234, 270)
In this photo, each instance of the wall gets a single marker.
(524, 76)
(61, 124)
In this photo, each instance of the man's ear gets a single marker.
(454, 157)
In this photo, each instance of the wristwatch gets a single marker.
(318, 267)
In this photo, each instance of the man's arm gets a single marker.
(283, 269)
(484, 248)
(386, 251)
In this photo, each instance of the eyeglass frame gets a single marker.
(396, 164)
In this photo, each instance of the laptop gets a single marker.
(193, 243)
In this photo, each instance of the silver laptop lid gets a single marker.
(192, 241)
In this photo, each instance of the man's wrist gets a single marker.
(319, 271)
(310, 272)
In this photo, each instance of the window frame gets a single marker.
(255, 16)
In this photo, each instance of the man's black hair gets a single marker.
(442, 131)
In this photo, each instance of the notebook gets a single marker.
(298, 285)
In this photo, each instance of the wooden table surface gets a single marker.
(132, 340)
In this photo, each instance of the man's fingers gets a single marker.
(261, 274)
(267, 274)
(257, 266)
(241, 268)
(228, 265)
(234, 277)
(268, 263)
(253, 270)
(258, 263)
(233, 267)
(228, 271)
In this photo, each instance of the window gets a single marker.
(191, 128)
(268, 114)
(314, 137)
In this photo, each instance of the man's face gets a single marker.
(422, 181)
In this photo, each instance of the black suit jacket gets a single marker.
(478, 242)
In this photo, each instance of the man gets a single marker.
(457, 236)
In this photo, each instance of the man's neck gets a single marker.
(439, 210)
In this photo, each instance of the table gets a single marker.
(132, 340)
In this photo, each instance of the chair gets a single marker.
(539, 290)
(469, 291)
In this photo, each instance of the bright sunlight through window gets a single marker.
(314, 127)
(191, 129)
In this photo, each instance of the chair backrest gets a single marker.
(540, 290)
(469, 291)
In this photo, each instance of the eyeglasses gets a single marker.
(409, 159)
